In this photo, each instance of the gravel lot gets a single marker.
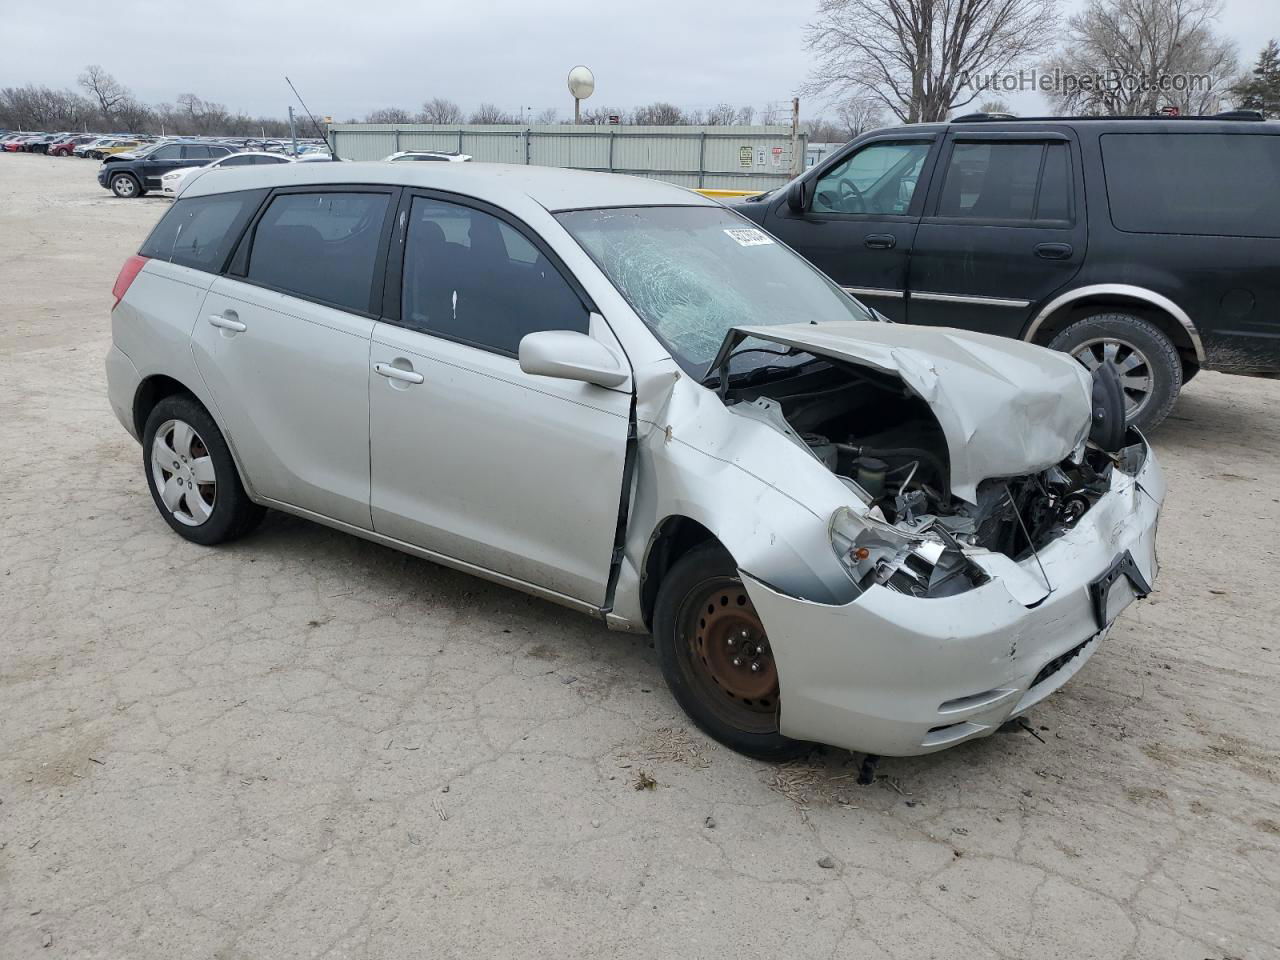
(306, 745)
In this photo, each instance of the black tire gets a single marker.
(233, 514)
(708, 575)
(1137, 338)
(125, 186)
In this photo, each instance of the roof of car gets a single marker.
(554, 188)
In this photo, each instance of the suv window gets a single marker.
(469, 276)
(322, 246)
(199, 232)
(169, 151)
(217, 151)
(879, 179)
(1007, 180)
(1206, 184)
(194, 151)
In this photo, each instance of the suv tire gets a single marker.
(191, 475)
(126, 186)
(1146, 361)
(707, 638)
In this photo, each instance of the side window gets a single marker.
(199, 232)
(237, 162)
(470, 277)
(216, 152)
(268, 161)
(194, 151)
(879, 179)
(1200, 184)
(1007, 180)
(171, 151)
(322, 246)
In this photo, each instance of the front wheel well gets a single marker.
(674, 537)
(1069, 313)
(150, 392)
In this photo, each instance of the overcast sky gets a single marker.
(349, 58)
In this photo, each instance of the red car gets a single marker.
(63, 148)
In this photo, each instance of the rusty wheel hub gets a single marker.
(729, 645)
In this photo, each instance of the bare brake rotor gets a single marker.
(729, 645)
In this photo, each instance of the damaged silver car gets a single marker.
(620, 396)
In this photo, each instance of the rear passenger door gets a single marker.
(160, 161)
(1004, 228)
(472, 458)
(283, 343)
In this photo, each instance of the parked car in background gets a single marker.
(1170, 267)
(22, 142)
(620, 396)
(172, 182)
(428, 155)
(133, 177)
(84, 149)
(62, 147)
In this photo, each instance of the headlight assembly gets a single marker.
(918, 564)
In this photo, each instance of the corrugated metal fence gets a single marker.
(736, 158)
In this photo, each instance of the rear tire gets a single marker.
(708, 637)
(192, 476)
(1146, 361)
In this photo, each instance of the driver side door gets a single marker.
(861, 217)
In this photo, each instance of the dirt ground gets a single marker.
(305, 745)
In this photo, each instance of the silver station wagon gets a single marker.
(620, 396)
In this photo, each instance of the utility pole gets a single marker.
(797, 154)
(293, 132)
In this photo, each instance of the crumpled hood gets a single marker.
(1007, 408)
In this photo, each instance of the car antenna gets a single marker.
(304, 107)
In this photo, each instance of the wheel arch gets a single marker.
(673, 537)
(1156, 308)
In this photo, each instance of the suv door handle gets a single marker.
(880, 241)
(227, 323)
(1054, 251)
(397, 373)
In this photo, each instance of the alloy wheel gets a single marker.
(1131, 365)
(183, 472)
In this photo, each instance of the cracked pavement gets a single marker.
(305, 745)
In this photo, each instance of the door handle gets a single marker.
(224, 322)
(1054, 251)
(397, 373)
(880, 241)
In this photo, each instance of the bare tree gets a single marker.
(388, 115)
(721, 115)
(994, 105)
(103, 88)
(601, 115)
(858, 115)
(658, 114)
(547, 115)
(440, 110)
(745, 116)
(771, 114)
(916, 57)
(490, 113)
(1125, 57)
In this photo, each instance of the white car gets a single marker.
(618, 395)
(428, 155)
(172, 182)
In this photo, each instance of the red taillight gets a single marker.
(132, 267)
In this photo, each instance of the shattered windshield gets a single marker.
(692, 273)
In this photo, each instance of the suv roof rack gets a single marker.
(1247, 115)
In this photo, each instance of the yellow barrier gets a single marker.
(727, 194)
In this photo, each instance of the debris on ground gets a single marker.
(709, 823)
(643, 781)
(827, 863)
(672, 745)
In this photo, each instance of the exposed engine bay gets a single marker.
(874, 433)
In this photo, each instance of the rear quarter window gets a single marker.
(1203, 184)
(199, 232)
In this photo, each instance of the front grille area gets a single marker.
(1058, 662)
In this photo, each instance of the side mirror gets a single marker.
(569, 355)
(798, 196)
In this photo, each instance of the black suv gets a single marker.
(134, 175)
(1152, 244)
